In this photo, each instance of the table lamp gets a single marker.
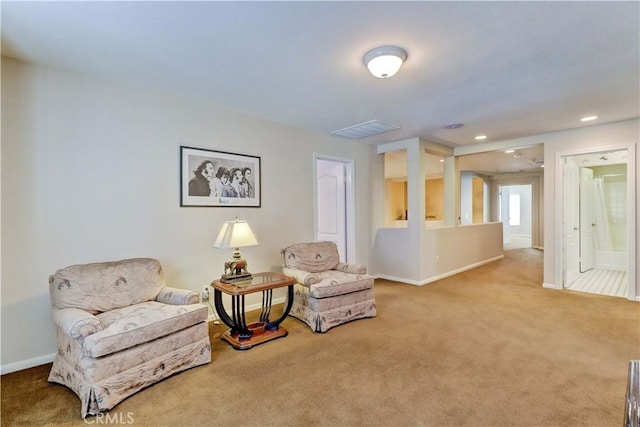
(235, 234)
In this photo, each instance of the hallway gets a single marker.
(517, 242)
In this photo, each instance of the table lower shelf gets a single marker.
(260, 335)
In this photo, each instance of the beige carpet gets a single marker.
(488, 347)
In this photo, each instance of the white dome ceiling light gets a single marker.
(385, 61)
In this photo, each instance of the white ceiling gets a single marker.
(504, 69)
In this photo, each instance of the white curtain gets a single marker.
(601, 216)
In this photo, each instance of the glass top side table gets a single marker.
(243, 336)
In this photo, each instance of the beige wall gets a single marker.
(90, 172)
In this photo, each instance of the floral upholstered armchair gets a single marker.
(328, 292)
(120, 329)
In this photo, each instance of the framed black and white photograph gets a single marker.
(218, 178)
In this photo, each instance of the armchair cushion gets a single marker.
(335, 283)
(102, 368)
(105, 286)
(129, 326)
(312, 257)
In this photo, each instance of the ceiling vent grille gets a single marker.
(362, 130)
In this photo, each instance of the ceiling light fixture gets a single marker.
(385, 61)
(481, 137)
(509, 151)
(588, 118)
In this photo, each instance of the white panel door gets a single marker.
(571, 223)
(587, 241)
(331, 204)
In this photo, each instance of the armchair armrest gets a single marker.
(303, 277)
(351, 268)
(75, 322)
(176, 296)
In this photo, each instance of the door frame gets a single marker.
(349, 170)
(632, 292)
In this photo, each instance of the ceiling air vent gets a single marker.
(362, 130)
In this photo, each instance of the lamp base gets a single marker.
(235, 269)
(232, 278)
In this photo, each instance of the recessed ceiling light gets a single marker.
(481, 137)
(441, 160)
(588, 118)
(454, 126)
(509, 151)
(541, 166)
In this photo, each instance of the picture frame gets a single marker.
(210, 178)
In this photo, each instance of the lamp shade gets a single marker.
(235, 234)
(383, 62)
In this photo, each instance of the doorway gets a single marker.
(516, 214)
(334, 204)
(597, 199)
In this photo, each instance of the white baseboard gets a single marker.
(25, 364)
(440, 276)
(398, 279)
